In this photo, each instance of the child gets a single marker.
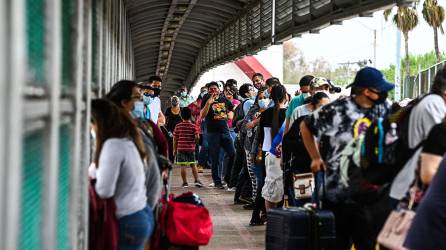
(185, 138)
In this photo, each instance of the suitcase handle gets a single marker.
(319, 182)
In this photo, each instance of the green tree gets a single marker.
(434, 16)
(406, 19)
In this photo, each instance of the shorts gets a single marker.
(272, 190)
(185, 158)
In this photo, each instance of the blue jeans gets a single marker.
(203, 154)
(216, 141)
(135, 229)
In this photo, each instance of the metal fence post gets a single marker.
(16, 71)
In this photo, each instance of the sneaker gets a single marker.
(231, 189)
(198, 184)
(212, 185)
(185, 185)
(219, 186)
(256, 222)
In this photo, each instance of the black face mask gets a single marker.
(381, 99)
(156, 91)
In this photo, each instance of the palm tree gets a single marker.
(406, 19)
(434, 16)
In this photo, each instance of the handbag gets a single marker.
(303, 185)
(394, 232)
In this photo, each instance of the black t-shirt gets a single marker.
(217, 117)
(436, 140)
(172, 119)
(266, 121)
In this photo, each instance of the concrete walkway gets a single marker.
(231, 229)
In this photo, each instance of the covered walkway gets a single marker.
(59, 55)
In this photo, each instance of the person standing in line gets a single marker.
(186, 136)
(230, 92)
(270, 125)
(119, 172)
(298, 100)
(333, 124)
(173, 117)
(217, 110)
(184, 98)
(153, 90)
(201, 151)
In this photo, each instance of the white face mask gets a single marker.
(263, 104)
(305, 95)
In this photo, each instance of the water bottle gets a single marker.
(392, 134)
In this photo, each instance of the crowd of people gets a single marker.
(257, 140)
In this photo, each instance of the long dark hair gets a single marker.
(120, 91)
(439, 85)
(113, 122)
(316, 98)
(278, 95)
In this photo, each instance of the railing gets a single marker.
(421, 83)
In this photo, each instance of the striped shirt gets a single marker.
(185, 135)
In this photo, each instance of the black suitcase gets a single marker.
(300, 228)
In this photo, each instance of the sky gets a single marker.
(353, 40)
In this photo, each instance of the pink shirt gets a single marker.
(234, 102)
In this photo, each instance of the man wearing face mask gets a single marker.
(184, 97)
(153, 90)
(299, 100)
(333, 124)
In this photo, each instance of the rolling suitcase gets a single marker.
(301, 228)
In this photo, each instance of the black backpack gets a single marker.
(239, 114)
(295, 157)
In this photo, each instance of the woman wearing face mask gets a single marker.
(270, 122)
(250, 145)
(125, 94)
(119, 172)
(173, 117)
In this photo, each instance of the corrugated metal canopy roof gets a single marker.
(180, 39)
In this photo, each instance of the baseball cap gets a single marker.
(319, 82)
(370, 77)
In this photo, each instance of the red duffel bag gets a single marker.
(186, 223)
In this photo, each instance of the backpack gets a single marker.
(381, 162)
(239, 114)
(368, 164)
(295, 157)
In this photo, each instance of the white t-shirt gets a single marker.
(298, 112)
(155, 109)
(425, 115)
(120, 175)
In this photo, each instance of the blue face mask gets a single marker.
(252, 98)
(138, 110)
(266, 93)
(147, 99)
(183, 94)
(263, 104)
